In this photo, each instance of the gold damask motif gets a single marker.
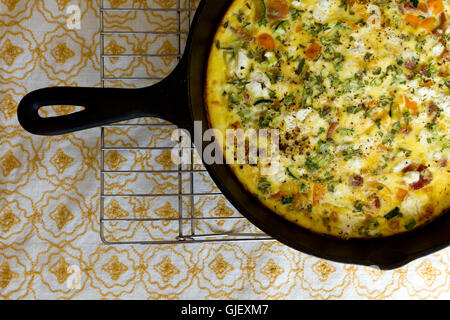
(6, 275)
(115, 49)
(49, 187)
(9, 52)
(271, 270)
(60, 270)
(10, 4)
(62, 53)
(166, 212)
(220, 266)
(8, 219)
(428, 272)
(61, 161)
(8, 162)
(114, 160)
(115, 211)
(8, 106)
(222, 210)
(165, 160)
(115, 268)
(61, 215)
(166, 269)
(323, 270)
(116, 3)
(167, 49)
(62, 4)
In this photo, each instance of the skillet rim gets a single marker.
(216, 173)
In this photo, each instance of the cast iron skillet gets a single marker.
(181, 95)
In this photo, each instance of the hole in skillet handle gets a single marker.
(107, 105)
(101, 106)
(57, 111)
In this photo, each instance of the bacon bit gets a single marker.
(356, 180)
(429, 210)
(370, 105)
(382, 147)
(432, 108)
(319, 191)
(313, 51)
(424, 70)
(242, 34)
(445, 55)
(299, 28)
(277, 9)
(421, 8)
(436, 6)
(428, 84)
(299, 199)
(236, 125)
(379, 113)
(334, 216)
(412, 20)
(265, 40)
(394, 224)
(412, 105)
(410, 65)
(442, 27)
(332, 129)
(354, 26)
(406, 130)
(428, 24)
(377, 203)
(425, 179)
(277, 196)
(401, 194)
(444, 163)
(415, 167)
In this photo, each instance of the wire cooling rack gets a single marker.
(145, 198)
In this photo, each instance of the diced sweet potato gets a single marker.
(401, 194)
(412, 20)
(313, 50)
(277, 9)
(266, 41)
(428, 24)
(319, 191)
(411, 105)
(436, 6)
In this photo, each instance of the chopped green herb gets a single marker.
(289, 172)
(287, 200)
(264, 185)
(392, 214)
(358, 206)
(410, 224)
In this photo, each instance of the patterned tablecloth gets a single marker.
(49, 190)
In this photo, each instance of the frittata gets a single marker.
(359, 91)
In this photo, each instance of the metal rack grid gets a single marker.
(184, 226)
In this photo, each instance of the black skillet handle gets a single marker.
(166, 100)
